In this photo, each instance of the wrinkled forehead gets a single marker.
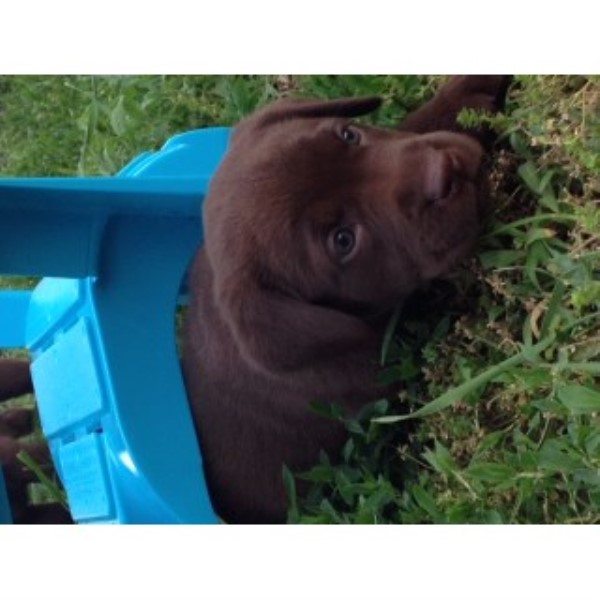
(297, 153)
(288, 142)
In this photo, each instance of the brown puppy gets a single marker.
(315, 228)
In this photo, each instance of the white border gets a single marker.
(259, 36)
(299, 563)
(429, 563)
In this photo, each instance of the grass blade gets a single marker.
(458, 393)
(53, 490)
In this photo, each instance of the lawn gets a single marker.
(499, 417)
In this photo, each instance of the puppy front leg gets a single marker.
(480, 92)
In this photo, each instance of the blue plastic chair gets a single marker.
(100, 327)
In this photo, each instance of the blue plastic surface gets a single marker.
(100, 327)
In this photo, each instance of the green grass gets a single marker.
(499, 364)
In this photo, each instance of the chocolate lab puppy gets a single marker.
(315, 229)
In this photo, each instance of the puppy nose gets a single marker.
(440, 174)
(449, 158)
(464, 152)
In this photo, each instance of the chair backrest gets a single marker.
(100, 327)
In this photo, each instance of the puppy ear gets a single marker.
(280, 334)
(306, 109)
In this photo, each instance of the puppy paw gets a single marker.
(14, 424)
(15, 378)
(481, 92)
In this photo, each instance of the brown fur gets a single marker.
(15, 379)
(278, 316)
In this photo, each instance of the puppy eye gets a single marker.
(350, 135)
(342, 241)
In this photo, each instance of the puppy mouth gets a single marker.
(356, 308)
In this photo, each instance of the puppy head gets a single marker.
(309, 206)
